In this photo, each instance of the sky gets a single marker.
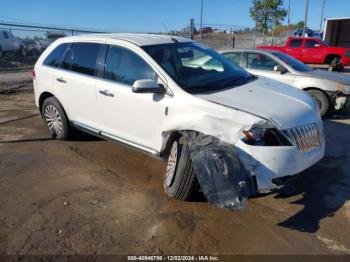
(153, 15)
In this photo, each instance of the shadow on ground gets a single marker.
(325, 187)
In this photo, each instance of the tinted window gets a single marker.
(82, 58)
(259, 61)
(123, 65)
(56, 56)
(311, 43)
(296, 43)
(234, 57)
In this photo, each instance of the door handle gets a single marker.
(106, 93)
(61, 79)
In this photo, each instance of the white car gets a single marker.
(234, 132)
(330, 89)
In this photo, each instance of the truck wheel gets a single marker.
(322, 101)
(180, 178)
(335, 64)
(56, 119)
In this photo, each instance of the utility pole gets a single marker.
(288, 17)
(192, 27)
(201, 26)
(306, 13)
(322, 14)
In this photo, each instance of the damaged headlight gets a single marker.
(258, 136)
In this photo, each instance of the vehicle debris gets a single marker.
(224, 181)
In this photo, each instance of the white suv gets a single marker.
(233, 132)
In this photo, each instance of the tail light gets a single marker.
(33, 74)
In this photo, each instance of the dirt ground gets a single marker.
(91, 196)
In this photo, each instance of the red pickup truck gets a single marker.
(314, 51)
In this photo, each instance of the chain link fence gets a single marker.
(20, 47)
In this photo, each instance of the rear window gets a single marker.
(234, 57)
(82, 58)
(311, 43)
(296, 43)
(56, 56)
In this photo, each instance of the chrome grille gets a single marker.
(307, 138)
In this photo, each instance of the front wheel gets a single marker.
(56, 119)
(180, 177)
(322, 101)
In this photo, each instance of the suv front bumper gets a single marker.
(266, 163)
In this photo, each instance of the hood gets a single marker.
(327, 75)
(283, 105)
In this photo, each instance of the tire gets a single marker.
(335, 64)
(56, 119)
(180, 177)
(322, 101)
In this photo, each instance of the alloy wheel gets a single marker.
(53, 119)
(171, 166)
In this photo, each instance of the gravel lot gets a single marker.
(91, 196)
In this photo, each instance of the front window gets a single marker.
(296, 43)
(260, 62)
(124, 66)
(292, 62)
(197, 68)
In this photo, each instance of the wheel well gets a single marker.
(325, 93)
(330, 57)
(42, 98)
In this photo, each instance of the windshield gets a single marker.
(197, 68)
(292, 62)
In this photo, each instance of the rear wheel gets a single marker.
(56, 119)
(180, 178)
(322, 101)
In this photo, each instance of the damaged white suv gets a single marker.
(233, 132)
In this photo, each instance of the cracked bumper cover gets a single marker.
(268, 163)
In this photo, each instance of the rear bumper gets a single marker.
(266, 163)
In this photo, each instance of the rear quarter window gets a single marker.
(55, 57)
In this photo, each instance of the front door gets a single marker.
(125, 115)
(262, 65)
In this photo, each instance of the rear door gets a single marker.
(75, 82)
(295, 48)
(263, 65)
(134, 118)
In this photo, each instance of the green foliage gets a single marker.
(267, 14)
(300, 24)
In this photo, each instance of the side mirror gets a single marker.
(147, 86)
(280, 68)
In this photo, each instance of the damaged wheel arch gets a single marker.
(213, 163)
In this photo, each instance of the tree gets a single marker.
(267, 14)
(300, 24)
